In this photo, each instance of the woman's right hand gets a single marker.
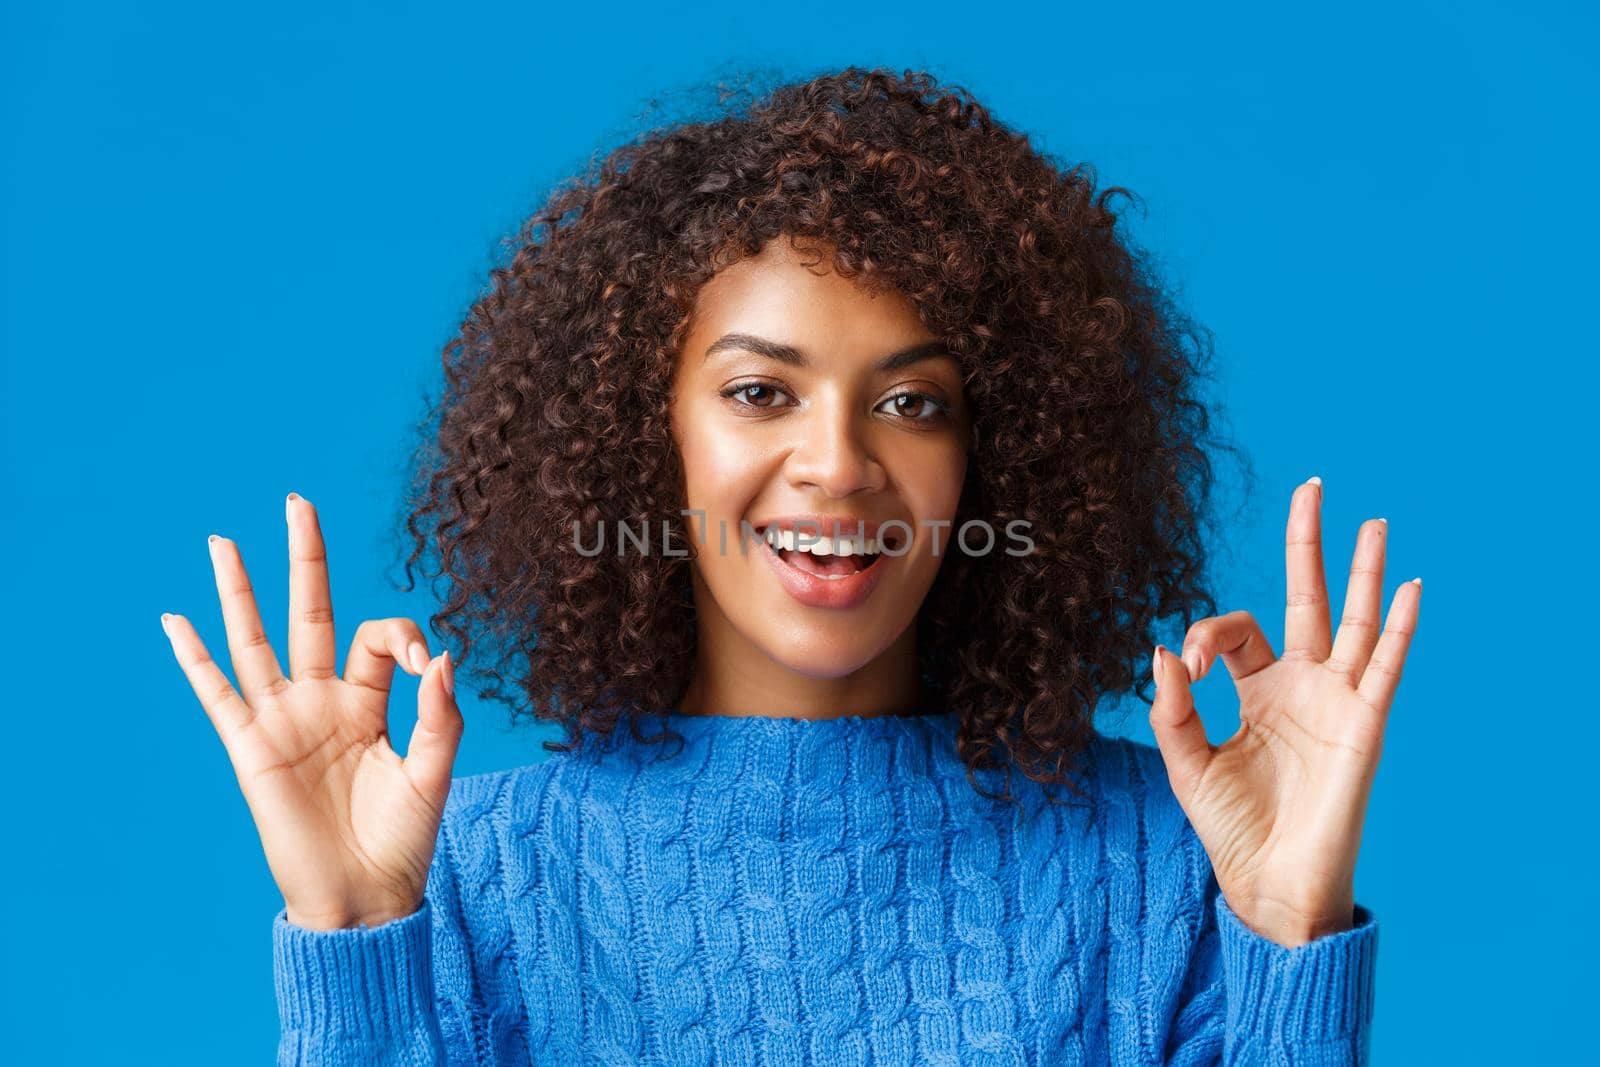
(348, 826)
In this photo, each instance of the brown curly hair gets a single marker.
(1079, 371)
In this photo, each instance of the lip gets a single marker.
(817, 592)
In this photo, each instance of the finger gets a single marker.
(1363, 600)
(437, 735)
(1236, 637)
(254, 662)
(1307, 633)
(1179, 733)
(1382, 675)
(378, 645)
(227, 711)
(311, 646)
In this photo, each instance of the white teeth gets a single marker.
(823, 545)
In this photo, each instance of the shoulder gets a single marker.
(1130, 778)
(478, 813)
(1135, 772)
(1124, 768)
(532, 797)
(474, 800)
(473, 790)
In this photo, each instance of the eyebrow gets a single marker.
(794, 357)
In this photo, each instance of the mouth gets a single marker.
(828, 560)
(837, 574)
(830, 568)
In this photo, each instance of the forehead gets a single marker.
(789, 290)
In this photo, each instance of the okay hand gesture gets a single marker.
(1279, 806)
(348, 826)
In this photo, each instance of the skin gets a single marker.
(349, 827)
(827, 438)
(1279, 806)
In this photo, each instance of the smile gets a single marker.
(826, 578)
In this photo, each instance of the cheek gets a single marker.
(933, 493)
(932, 485)
(721, 472)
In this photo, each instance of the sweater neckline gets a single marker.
(788, 728)
(697, 723)
(676, 717)
(787, 732)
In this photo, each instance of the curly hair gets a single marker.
(1080, 372)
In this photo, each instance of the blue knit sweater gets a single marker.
(804, 893)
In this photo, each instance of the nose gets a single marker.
(833, 454)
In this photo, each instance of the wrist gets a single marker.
(345, 918)
(1292, 926)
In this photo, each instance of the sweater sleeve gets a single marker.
(1254, 1001)
(373, 994)
(357, 996)
(1311, 1004)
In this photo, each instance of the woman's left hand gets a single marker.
(1279, 805)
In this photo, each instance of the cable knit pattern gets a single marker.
(794, 893)
(488, 994)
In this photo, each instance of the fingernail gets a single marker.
(1315, 480)
(419, 657)
(449, 675)
(213, 539)
(1155, 664)
(164, 626)
(293, 496)
(1192, 661)
(1418, 581)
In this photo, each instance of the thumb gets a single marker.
(1180, 734)
(437, 735)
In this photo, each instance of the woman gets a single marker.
(846, 441)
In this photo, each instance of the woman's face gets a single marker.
(783, 408)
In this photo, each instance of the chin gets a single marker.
(822, 652)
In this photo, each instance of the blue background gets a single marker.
(236, 240)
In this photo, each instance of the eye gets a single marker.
(919, 402)
(913, 406)
(761, 388)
